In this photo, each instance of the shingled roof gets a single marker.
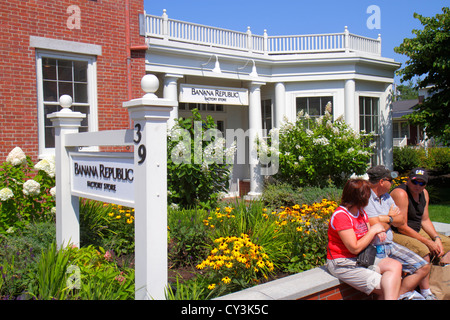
(403, 107)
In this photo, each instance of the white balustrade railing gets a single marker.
(174, 30)
(307, 43)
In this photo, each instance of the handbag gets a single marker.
(366, 258)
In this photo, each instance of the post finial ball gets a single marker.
(150, 84)
(65, 102)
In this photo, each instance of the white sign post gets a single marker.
(67, 206)
(150, 116)
(110, 177)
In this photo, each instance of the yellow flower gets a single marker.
(211, 286)
(111, 214)
(200, 266)
(129, 221)
(226, 280)
(260, 263)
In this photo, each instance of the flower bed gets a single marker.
(232, 247)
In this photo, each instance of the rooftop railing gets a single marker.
(174, 30)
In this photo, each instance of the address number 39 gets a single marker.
(142, 151)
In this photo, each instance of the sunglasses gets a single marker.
(420, 183)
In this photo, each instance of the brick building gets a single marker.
(89, 49)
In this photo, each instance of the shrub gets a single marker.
(438, 159)
(405, 159)
(25, 190)
(19, 252)
(196, 170)
(187, 237)
(319, 152)
(276, 195)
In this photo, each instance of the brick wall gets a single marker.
(102, 22)
(340, 292)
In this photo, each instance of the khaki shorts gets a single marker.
(362, 279)
(417, 246)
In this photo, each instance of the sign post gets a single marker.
(136, 179)
(67, 206)
(150, 116)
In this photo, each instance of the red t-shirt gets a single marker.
(342, 219)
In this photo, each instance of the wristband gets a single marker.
(437, 237)
(390, 219)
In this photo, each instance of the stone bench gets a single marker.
(314, 284)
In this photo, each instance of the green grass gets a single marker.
(439, 213)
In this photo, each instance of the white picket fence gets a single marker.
(174, 30)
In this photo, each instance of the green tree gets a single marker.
(429, 59)
(407, 92)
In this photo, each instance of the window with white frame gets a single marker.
(266, 115)
(313, 106)
(60, 74)
(400, 129)
(369, 115)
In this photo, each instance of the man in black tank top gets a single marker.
(417, 232)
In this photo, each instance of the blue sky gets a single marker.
(289, 17)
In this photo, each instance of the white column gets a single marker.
(255, 130)
(170, 92)
(350, 113)
(280, 103)
(150, 116)
(67, 206)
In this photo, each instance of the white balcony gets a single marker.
(171, 30)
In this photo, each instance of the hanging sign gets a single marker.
(103, 176)
(213, 95)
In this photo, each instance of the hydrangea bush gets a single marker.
(320, 151)
(197, 165)
(26, 190)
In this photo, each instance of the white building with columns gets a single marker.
(263, 79)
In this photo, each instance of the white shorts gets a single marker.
(360, 278)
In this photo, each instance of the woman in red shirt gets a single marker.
(349, 232)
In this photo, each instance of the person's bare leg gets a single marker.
(391, 271)
(425, 283)
(411, 281)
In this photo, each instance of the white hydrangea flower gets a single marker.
(321, 141)
(53, 192)
(47, 165)
(16, 157)
(31, 188)
(6, 194)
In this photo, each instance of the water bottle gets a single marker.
(380, 251)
